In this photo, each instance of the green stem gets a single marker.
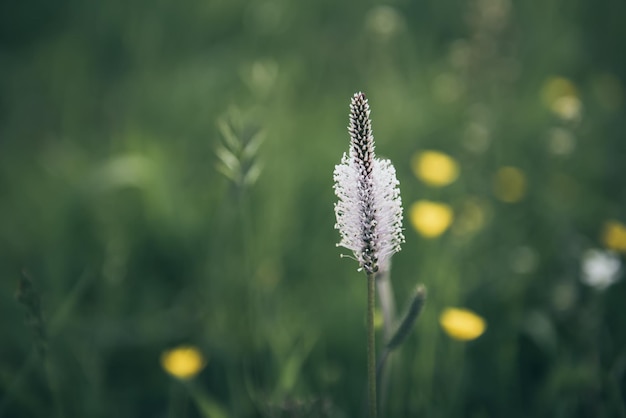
(371, 345)
(387, 304)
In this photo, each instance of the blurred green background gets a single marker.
(116, 119)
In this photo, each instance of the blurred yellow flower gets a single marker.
(435, 168)
(430, 219)
(614, 235)
(183, 362)
(561, 96)
(509, 184)
(462, 324)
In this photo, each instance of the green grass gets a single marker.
(112, 204)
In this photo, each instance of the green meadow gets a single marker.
(167, 225)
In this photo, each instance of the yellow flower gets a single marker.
(462, 324)
(614, 235)
(509, 184)
(435, 168)
(183, 362)
(431, 219)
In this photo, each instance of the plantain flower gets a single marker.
(369, 210)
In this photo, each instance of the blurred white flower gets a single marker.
(369, 210)
(600, 269)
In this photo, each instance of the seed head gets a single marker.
(369, 210)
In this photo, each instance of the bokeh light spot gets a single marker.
(614, 236)
(476, 138)
(509, 184)
(384, 20)
(430, 219)
(460, 54)
(555, 88)
(561, 141)
(561, 96)
(564, 295)
(608, 90)
(600, 269)
(183, 362)
(462, 324)
(128, 170)
(435, 168)
(472, 217)
(524, 260)
(447, 88)
(266, 17)
(263, 74)
(567, 107)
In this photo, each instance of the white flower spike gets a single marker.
(369, 210)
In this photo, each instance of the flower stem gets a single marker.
(387, 305)
(371, 345)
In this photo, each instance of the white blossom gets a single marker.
(369, 210)
(600, 269)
